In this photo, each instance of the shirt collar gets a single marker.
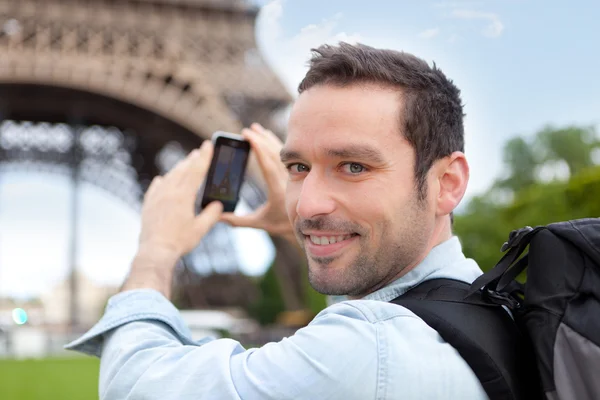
(447, 253)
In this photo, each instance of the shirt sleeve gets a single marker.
(147, 353)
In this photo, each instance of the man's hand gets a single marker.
(271, 216)
(170, 227)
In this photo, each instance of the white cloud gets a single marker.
(288, 55)
(494, 27)
(429, 33)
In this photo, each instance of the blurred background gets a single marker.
(99, 96)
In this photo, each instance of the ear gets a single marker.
(453, 177)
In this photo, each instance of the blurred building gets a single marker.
(91, 297)
(116, 92)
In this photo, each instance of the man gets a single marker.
(375, 167)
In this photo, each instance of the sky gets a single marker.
(520, 65)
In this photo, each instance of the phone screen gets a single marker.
(226, 172)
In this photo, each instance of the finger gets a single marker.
(270, 167)
(273, 139)
(209, 216)
(199, 162)
(263, 144)
(258, 134)
(271, 149)
(154, 185)
(156, 181)
(274, 143)
(247, 221)
(180, 167)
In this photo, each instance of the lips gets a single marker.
(328, 245)
(325, 240)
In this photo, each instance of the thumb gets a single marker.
(207, 218)
(247, 221)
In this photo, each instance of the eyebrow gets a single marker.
(286, 155)
(355, 152)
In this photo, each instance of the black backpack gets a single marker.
(548, 347)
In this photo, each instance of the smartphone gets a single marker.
(227, 169)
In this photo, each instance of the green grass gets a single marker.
(49, 379)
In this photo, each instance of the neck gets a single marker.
(441, 232)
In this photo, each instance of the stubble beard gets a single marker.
(317, 274)
(349, 280)
(367, 272)
(372, 268)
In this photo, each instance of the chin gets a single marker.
(326, 281)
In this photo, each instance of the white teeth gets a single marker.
(324, 240)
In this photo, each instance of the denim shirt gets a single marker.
(355, 349)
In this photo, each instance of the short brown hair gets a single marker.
(432, 116)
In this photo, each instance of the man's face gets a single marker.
(351, 192)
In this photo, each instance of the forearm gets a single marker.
(152, 268)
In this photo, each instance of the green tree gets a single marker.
(521, 161)
(486, 222)
(483, 229)
(573, 145)
(270, 302)
(524, 159)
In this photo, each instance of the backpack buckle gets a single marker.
(515, 237)
(501, 298)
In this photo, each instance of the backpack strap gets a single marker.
(498, 285)
(483, 333)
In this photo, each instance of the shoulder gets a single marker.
(372, 327)
(411, 356)
(361, 329)
(372, 321)
(371, 311)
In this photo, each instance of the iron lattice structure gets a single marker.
(114, 92)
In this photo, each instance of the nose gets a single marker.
(315, 198)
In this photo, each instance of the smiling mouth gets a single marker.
(326, 240)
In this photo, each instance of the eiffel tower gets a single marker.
(114, 92)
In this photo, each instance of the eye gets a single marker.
(354, 168)
(297, 168)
